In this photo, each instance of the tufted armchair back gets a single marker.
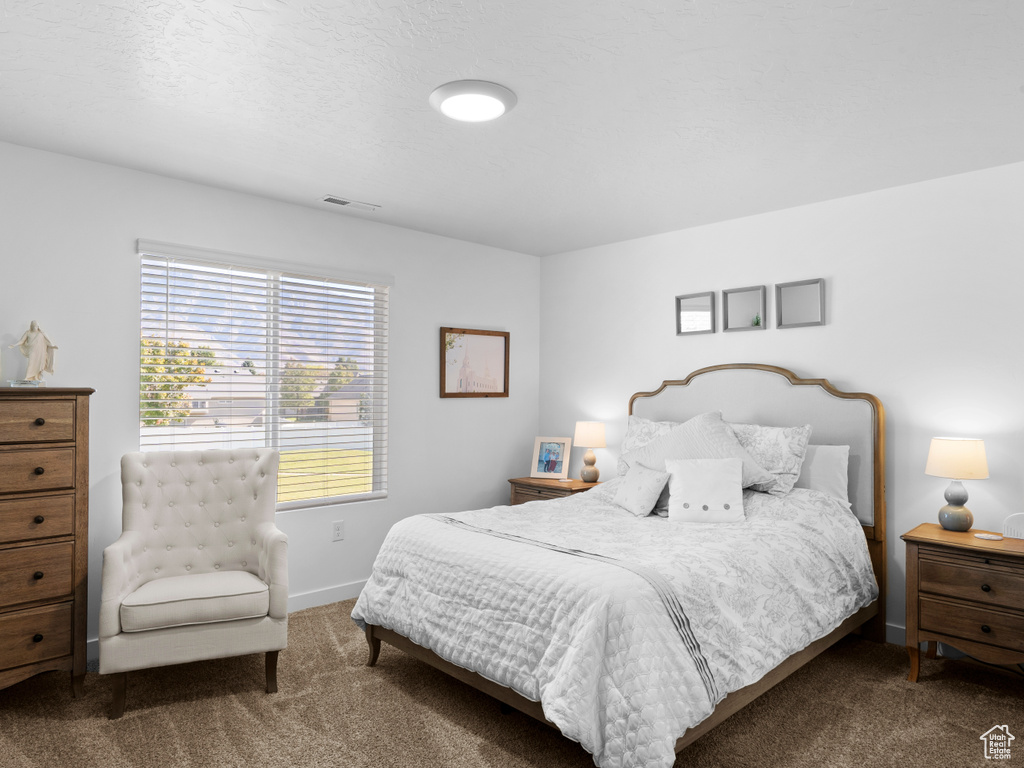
(197, 511)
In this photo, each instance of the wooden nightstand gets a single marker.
(526, 489)
(965, 592)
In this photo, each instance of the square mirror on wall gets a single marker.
(800, 303)
(695, 313)
(743, 309)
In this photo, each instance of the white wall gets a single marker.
(924, 288)
(67, 247)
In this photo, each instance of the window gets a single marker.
(248, 356)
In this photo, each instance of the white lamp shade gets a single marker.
(958, 458)
(589, 434)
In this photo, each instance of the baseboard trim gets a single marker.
(298, 602)
(895, 634)
(325, 596)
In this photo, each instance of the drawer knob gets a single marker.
(39, 470)
(37, 638)
(986, 588)
(986, 628)
(40, 421)
(37, 575)
(38, 519)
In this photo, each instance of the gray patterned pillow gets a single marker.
(703, 437)
(639, 432)
(640, 489)
(780, 450)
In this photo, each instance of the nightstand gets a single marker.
(965, 592)
(526, 489)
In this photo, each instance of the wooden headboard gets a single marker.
(766, 394)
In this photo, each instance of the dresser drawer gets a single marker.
(977, 583)
(35, 635)
(37, 469)
(41, 572)
(982, 625)
(523, 495)
(38, 518)
(34, 421)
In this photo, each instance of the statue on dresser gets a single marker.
(38, 349)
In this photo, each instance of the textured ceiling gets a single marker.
(633, 118)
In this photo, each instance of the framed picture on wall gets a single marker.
(474, 363)
(551, 457)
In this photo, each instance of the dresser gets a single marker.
(44, 532)
(965, 592)
(526, 489)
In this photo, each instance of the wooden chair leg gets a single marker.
(119, 683)
(272, 671)
(374, 643)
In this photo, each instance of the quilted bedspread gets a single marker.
(591, 636)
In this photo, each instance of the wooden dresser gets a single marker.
(44, 532)
(965, 592)
(526, 489)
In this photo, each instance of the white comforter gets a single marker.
(592, 641)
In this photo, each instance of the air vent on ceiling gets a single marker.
(354, 205)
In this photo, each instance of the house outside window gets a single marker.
(235, 353)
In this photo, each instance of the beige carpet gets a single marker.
(850, 707)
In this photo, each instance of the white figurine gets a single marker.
(38, 349)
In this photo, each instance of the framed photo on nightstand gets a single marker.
(551, 457)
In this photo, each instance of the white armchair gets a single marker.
(200, 571)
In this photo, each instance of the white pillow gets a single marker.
(639, 432)
(705, 490)
(640, 489)
(779, 450)
(703, 437)
(826, 468)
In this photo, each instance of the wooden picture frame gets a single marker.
(551, 458)
(474, 363)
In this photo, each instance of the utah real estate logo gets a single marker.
(997, 742)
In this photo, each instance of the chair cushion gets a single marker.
(202, 598)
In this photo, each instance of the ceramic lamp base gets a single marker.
(955, 516)
(589, 473)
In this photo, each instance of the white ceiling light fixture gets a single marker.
(472, 101)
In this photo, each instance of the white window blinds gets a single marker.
(235, 356)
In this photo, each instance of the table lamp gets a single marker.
(958, 458)
(589, 435)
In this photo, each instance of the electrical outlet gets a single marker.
(338, 530)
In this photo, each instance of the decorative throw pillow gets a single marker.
(703, 437)
(780, 450)
(640, 489)
(705, 490)
(639, 432)
(826, 469)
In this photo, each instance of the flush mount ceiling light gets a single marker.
(472, 101)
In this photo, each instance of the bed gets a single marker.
(637, 635)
